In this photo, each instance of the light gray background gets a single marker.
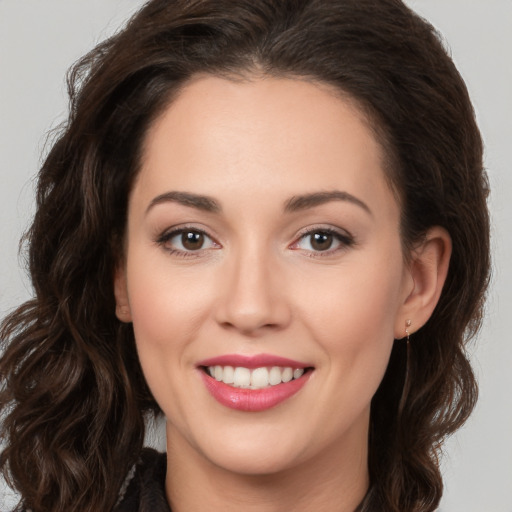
(40, 39)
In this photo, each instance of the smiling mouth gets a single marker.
(254, 378)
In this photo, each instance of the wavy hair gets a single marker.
(73, 397)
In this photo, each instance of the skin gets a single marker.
(257, 285)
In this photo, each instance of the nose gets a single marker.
(253, 299)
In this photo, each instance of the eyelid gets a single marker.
(344, 238)
(164, 237)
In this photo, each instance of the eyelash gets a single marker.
(165, 237)
(345, 240)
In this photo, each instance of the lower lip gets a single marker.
(253, 400)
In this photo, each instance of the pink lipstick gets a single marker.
(253, 383)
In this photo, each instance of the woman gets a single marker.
(258, 221)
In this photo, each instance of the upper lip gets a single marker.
(254, 361)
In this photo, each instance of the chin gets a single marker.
(252, 460)
(245, 448)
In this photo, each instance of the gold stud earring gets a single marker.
(407, 376)
(408, 324)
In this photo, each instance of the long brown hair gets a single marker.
(73, 397)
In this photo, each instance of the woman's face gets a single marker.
(263, 244)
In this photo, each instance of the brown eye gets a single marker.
(192, 240)
(321, 241)
(186, 241)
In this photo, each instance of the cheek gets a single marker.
(352, 319)
(165, 303)
(167, 307)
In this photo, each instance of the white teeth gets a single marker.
(258, 378)
(275, 375)
(287, 375)
(242, 377)
(228, 375)
(298, 373)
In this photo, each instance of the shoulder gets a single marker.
(144, 488)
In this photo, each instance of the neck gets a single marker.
(334, 480)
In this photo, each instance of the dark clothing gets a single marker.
(146, 489)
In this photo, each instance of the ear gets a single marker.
(123, 310)
(428, 268)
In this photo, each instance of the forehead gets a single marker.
(280, 136)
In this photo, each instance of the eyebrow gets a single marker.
(197, 201)
(303, 202)
(294, 204)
